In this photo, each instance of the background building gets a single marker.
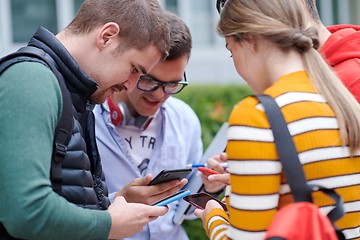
(210, 61)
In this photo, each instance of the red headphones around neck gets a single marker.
(120, 115)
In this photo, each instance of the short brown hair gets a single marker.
(180, 37)
(142, 22)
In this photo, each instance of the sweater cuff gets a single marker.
(111, 197)
(102, 225)
(216, 217)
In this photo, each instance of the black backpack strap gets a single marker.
(289, 158)
(290, 162)
(64, 127)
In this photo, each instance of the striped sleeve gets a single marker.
(217, 224)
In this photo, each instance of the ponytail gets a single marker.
(343, 103)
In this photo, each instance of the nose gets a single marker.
(158, 93)
(131, 83)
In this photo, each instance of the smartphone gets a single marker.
(199, 200)
(173, 197)
(207, 171)
(169, 175)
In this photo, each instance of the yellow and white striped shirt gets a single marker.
(258, 186)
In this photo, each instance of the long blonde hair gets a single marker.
(284, 23)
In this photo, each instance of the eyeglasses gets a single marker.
(220, 4)
(149, 84)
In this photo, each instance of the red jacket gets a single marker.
(342, 51)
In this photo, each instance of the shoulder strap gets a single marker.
(290, 161)
(289, 158)
(64, 127)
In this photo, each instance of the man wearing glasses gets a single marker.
(147, 130)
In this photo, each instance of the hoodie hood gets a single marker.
(343, 44)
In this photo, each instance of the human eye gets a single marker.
(146, 80)
(172, 88)
(147, 83)
(135, 70)
(172, 85)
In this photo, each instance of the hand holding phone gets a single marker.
(169, 175)
(199, 200)
(173, 197)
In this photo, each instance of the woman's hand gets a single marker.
(210, 205)
(215, 182)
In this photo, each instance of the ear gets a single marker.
(253, 44)
(306, 10)
(304, 6)
(108, 34)
(303, 3)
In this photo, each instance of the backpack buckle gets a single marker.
(60, 150)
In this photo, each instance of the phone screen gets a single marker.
(199, 200)
(171, 198)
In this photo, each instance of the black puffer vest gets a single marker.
(82, 179)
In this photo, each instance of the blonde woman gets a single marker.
(274, 50)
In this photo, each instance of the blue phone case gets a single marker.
(169, 199)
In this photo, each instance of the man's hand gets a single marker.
(130, 218)
(138, 191)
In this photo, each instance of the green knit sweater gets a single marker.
(30, 107)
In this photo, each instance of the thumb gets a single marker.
(198, 212)
(223, 156)
(147, 179)
(141, 181)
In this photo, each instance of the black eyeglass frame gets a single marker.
(162, 84)
(220, 5)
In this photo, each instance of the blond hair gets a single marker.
(283, 22)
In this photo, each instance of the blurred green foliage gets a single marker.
(212, 105)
